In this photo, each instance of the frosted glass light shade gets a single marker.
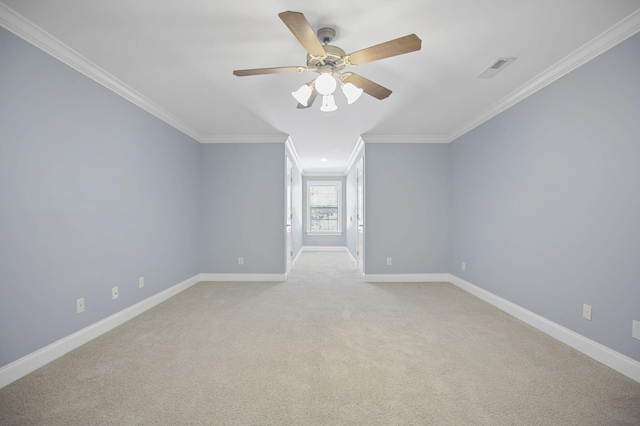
(303, 94)
(325, 84)
(351, 92)
(328, 104)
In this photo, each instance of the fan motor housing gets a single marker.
(333, 55)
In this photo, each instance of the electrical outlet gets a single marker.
(241, 261)
(635, 329)
(463, 266)
(114, 293)
(80, 305)
(389, 261)
(141, 282)
(586, 312)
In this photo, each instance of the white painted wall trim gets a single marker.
(598, 45)
(323, 173)
(406, 139)
(29, 363)
(295, 259)
(31, 33)
(44, 41)
(406, 278)
(294, 154)
(355, 155)
(323, 248)
(243, 277)
(280, 138)
(607, 356)
(351, 258)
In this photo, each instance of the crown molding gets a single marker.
(405, 138)
(598, 45)
(282, 138)
(355, 154)
(323, 173)
(293, 153)
(28, 31)
(31, 33)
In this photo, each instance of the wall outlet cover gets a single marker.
(586, 312)
(635, 330)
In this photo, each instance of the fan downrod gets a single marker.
(326, 35)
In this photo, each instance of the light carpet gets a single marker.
(323, 348)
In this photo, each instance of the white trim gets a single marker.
(351, 258)
(406, 278)
(29, 363)
(244, 277)
(28, 31)
(406, 139)
(355, 155)
(282, 138)
(618, 33)
(598, 45)
(293, 153)
(607, 356)
(336, 183)
(44, 41)
(323, 248)
(295, 259)
(323, 173)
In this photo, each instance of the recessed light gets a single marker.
(324, 160)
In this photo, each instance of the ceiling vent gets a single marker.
(496, 66)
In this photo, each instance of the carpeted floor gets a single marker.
(323, 348)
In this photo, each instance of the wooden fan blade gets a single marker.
(300, 28)
(399, 46)
(260, 71)
(368, 86)
(312, 98)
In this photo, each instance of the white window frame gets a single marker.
(335, 183)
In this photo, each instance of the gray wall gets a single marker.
(94, 193)
(546, 200)
(323, 240)
(243, 208)
(407, 208)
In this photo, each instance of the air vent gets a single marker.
(496, 66)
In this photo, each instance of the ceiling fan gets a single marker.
(329, 61)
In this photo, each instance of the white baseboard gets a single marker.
(607, 356)
(353, 259)
(29, 363)
(319, 248)
(323, 248)
(406, 278)
(244, 277)
(295, 259)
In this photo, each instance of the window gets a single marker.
(324, 208)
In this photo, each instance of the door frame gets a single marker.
(288, 213)
(360, 216)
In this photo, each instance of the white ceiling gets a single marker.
(176, 58)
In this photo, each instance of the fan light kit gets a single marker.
(329, 61)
